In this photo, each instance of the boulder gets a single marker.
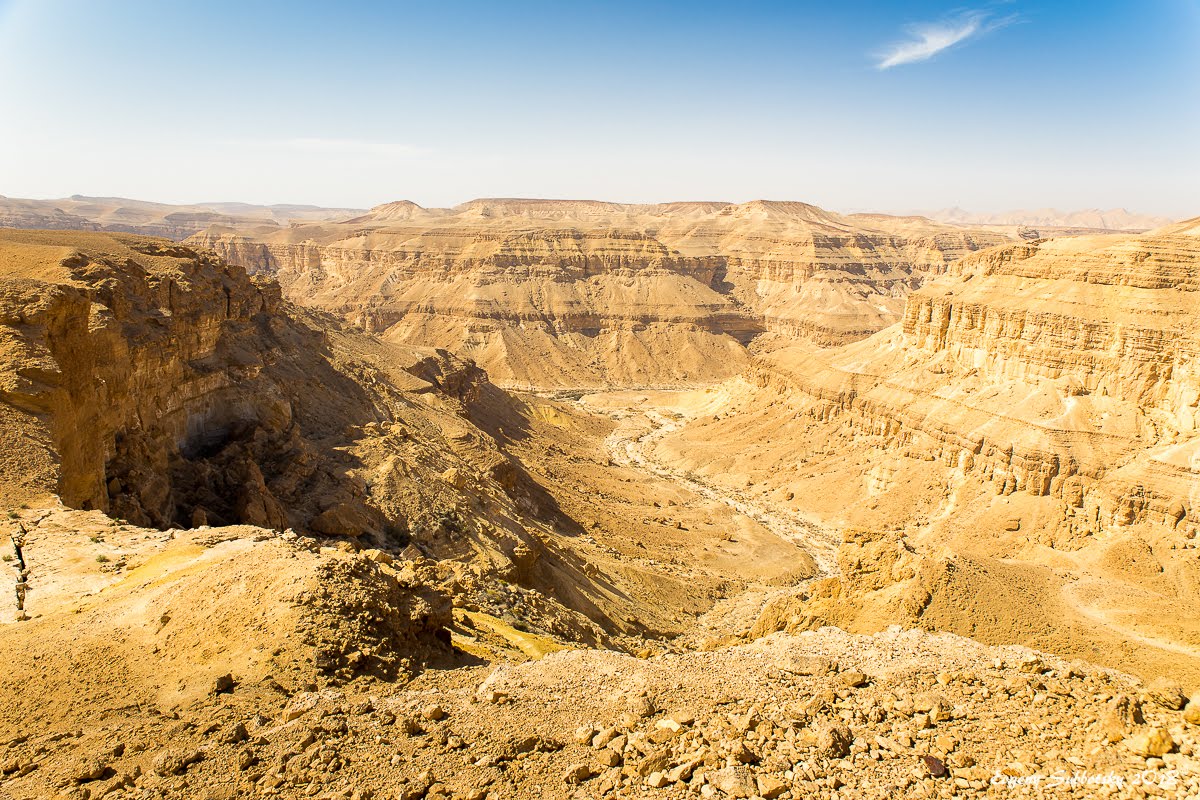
(1151, 742)
(734, 781)
(347, 519)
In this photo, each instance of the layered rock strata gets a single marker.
(168, 389)
(1027, 432)
(576, 293)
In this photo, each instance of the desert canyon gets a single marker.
(543, 498)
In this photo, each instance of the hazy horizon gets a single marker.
(617, 201)
(868, 106)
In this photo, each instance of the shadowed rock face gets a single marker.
(169, 390)
(563, 293)
(174, 390)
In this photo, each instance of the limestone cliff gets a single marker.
(1030, 430)
(1051, 368)
(566, 293)
(171, 389)
(167, 388)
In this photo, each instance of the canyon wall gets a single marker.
(155, 372)
(167, 388)
(1025, 438)
(1059, 368)
(164, 387)
(563, 293)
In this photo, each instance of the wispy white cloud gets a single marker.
(927, 39)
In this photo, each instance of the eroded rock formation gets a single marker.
(168, 389)
(1013, 461)
(572, 293)
(169, 385)
(1027, 435)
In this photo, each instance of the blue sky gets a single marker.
(850, 105)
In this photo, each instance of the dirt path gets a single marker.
(631, 444)
(1104, 618)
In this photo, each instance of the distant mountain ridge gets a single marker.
(122, 214)
(1113, 219)
(178, 221)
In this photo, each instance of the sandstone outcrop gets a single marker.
(168, 389)
(154, 371)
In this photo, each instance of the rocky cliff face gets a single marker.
(168, 389)
(602, 292)
(1044, 366)
(1028, 431)
(155, 372)
(1106, 328)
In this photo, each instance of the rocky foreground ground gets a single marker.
(257, 552)
(820, 714)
